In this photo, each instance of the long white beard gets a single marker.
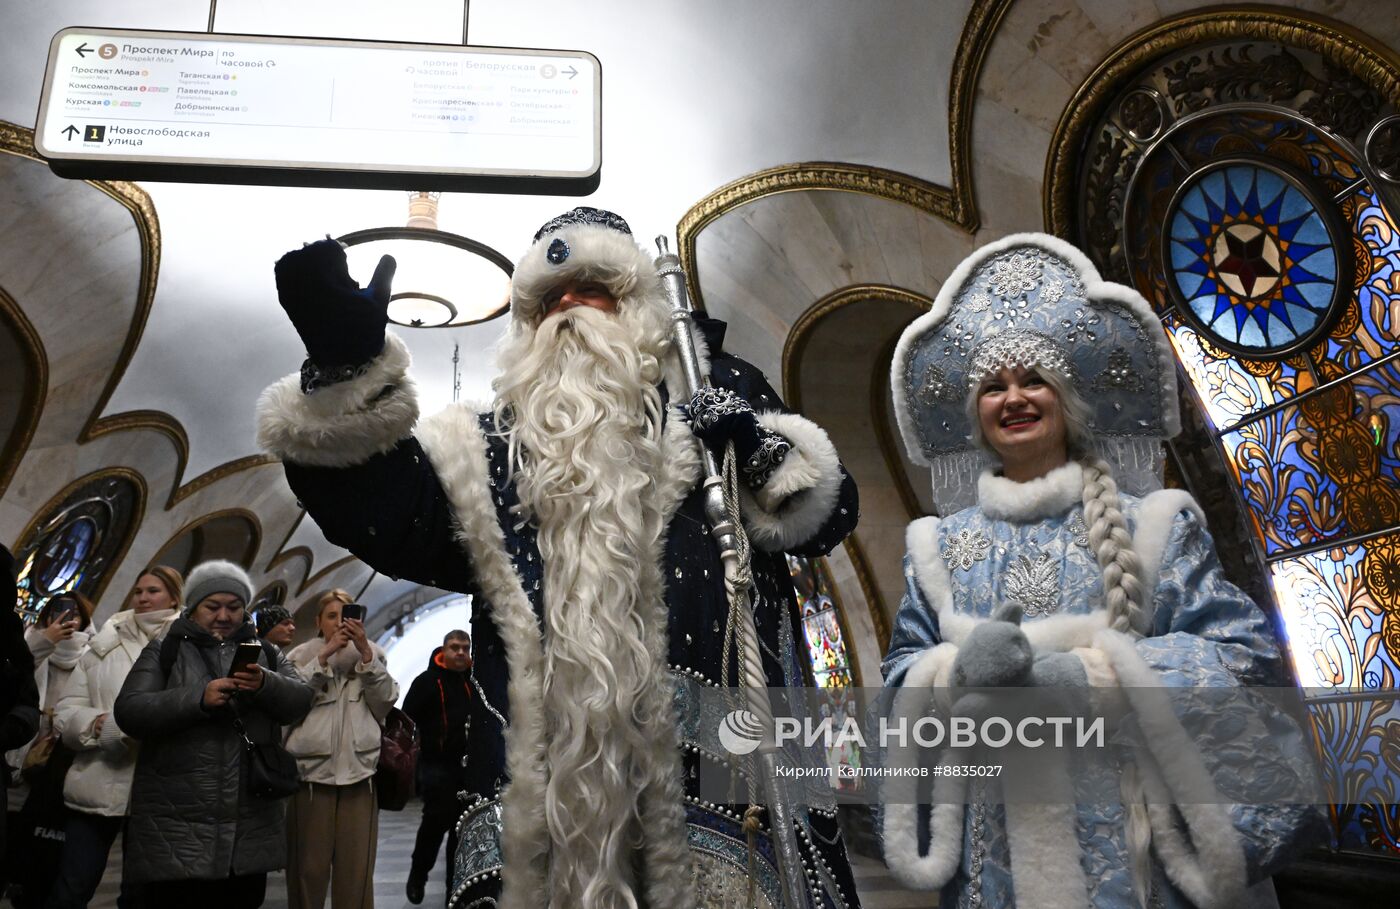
(585, 425)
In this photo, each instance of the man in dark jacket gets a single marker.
(197, 833)
(439, 702)
(572, 509)
(19, 697)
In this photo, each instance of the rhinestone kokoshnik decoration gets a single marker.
(1018, 347)
(936, 387)
(1118, 375)
(964, 548)
(1014, 276)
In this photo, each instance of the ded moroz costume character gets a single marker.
(570, 508)
(1118, 593)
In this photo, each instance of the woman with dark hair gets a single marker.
(56, 639)
(1039, 396)
(198, 834)
(98, 788)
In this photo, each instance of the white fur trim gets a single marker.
(900, 824)
(342, 424)
(595, 252)
(1095, 289)
(804, 496)
(1156, 515)
(1043, 837)
(1210, 869)
(456, 448)
(931, 573)
(798, 472)
(1044, 497)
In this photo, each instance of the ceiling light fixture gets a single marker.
(444, 280)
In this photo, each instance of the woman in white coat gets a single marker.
(333, 820)
(98, 787)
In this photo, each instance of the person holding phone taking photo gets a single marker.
(333, 821)
(199, 834)
(39, 766)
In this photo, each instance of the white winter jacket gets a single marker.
(338, 742)
(54, 665)
(100, 780)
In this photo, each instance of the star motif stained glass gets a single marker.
(1251, 259)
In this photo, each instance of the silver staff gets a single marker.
(723, 523)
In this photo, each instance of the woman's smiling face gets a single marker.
(1021, 418)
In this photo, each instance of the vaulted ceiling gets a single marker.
(154, 310)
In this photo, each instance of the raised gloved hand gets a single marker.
(341, 324)
(719, 416)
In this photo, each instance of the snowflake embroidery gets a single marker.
(1014, 276)
(1080, 530)
(1035, 586)
(964, 548)
(979, 302)
(1051, 293)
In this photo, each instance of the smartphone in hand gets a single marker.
(244, 657)
(353, 611)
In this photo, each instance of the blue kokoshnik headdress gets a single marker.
(1034, 300)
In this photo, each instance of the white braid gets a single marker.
(1137, 831)
(1112, 546)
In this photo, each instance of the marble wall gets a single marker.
(71, 257)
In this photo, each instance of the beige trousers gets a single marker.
(332, 838)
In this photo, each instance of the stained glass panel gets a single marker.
(74, 545)
(1251, 257)
(1341, 613)
(1310, 430)
(830, 661)
(1358, 750)
(1325, 468)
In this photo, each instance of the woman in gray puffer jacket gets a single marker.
(197, 834)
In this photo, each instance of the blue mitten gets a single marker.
(719, 416)
(341, 324)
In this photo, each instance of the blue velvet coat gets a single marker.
(434, 505)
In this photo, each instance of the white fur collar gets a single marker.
(1044, 497)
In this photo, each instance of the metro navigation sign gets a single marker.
(196, 107)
